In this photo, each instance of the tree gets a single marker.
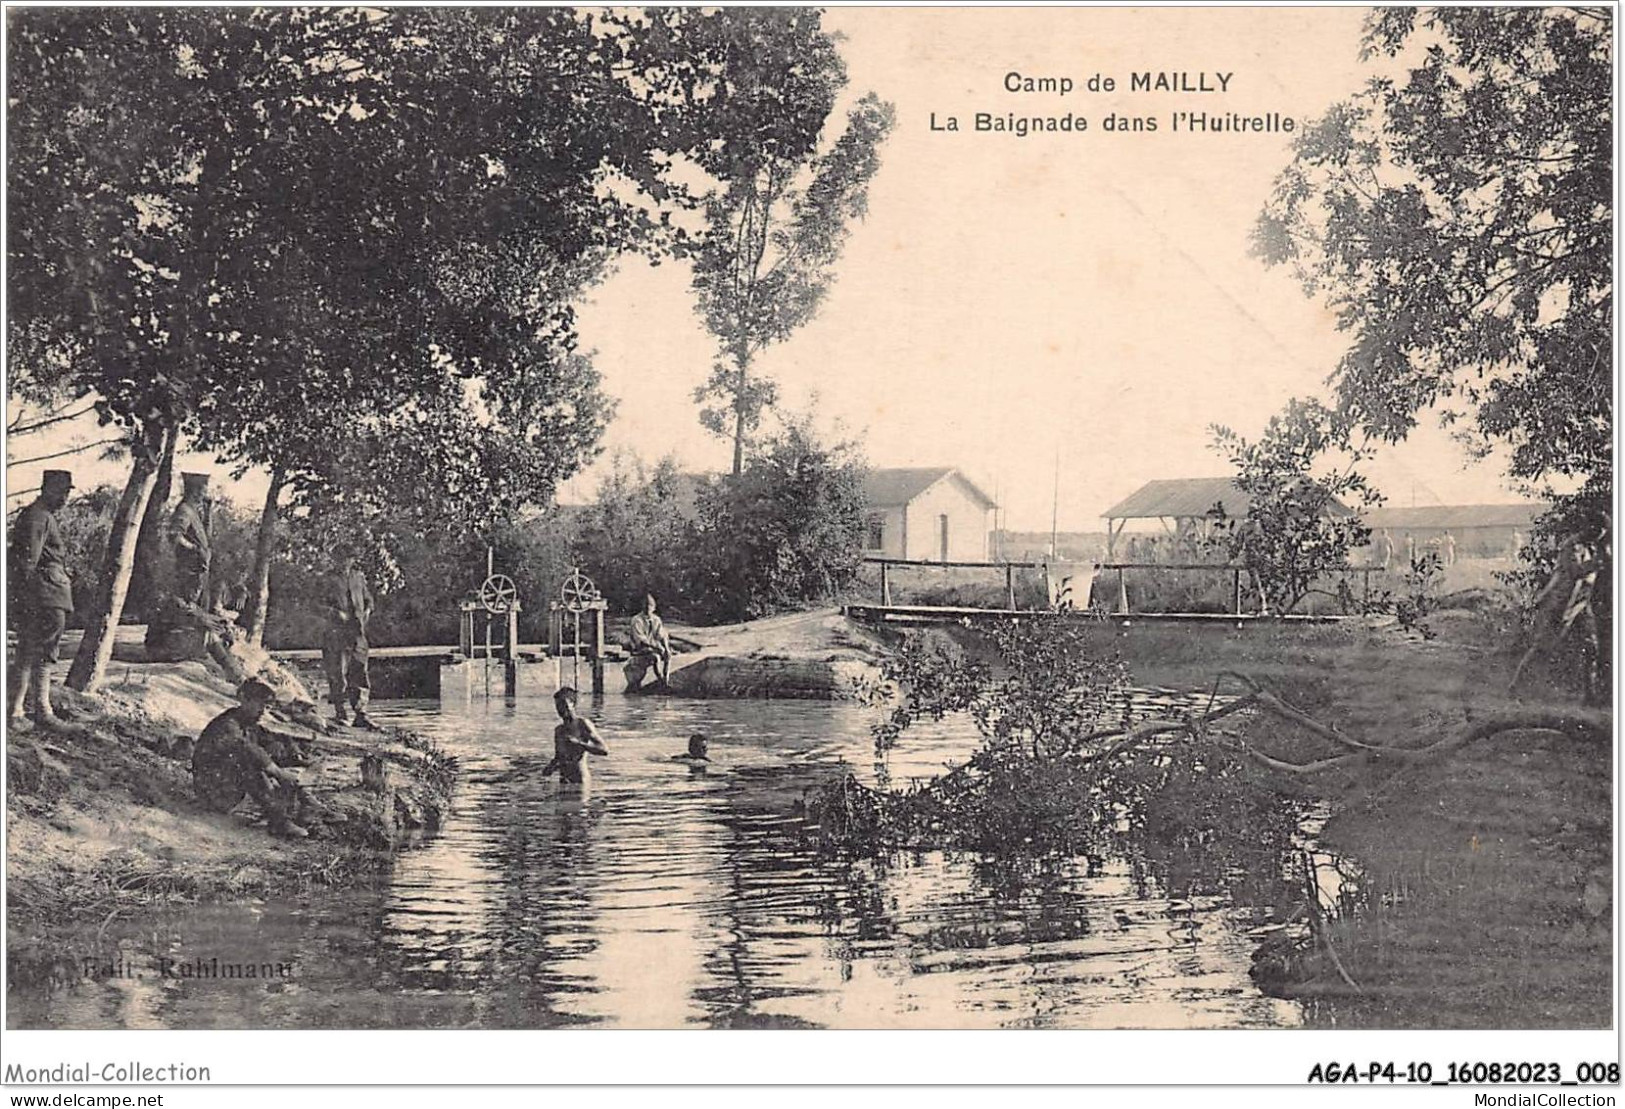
(445, 285)
(39, 386)
(785, 532)
(1459, 220)
(138, 203)
(444, 567)
(780, 215)
(217, 272)
(1297, 527)
(499, 155)
(639, 536)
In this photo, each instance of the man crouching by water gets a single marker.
(573, 739)
(231, 762)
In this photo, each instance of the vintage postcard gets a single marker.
(953, 520)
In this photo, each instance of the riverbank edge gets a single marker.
(101, 819)
(814, 655)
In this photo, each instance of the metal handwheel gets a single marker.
(498, 593)
(578, 592)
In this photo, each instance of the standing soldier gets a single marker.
(344, 647)
(189, 531)
(41, 595)
(1385, 550)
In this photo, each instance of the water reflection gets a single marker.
(660, 897)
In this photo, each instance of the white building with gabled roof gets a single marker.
(933, 514)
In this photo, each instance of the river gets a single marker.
(663, 897)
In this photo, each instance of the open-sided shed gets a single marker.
(1174, 501)
(1180, 503)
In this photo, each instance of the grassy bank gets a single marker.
(1479, 889)
(102, 822)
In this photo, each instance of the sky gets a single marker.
(1010, 302)
(1075, 303)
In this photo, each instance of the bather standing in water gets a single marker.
(573, 739)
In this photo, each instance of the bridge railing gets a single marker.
(1009, 568)
(1118, 600)
(1108, 587)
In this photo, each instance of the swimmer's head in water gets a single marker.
(565, 702)
(698, 746)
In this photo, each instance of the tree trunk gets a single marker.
(739, 419)
(149, 579)
(259, 588)
(90, 662)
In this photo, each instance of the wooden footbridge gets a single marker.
(1100, 590)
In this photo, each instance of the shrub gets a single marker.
(1046, 781)
(785, 533)
(1297, 528)
(639, 537)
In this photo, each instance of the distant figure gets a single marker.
(40, 596)
(344, 647)
(231, 598)
(189, 532)
(651, 648)
(1410, 551)
(1385, 549)
(1447, 548)
(231, 761)
(697, 754)
(1517, 545)
(573, 739)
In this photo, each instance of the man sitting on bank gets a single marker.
(650, 646)
(231, 761)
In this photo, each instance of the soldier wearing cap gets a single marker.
(344, 646)
(231, 761)
(189, 531)
(41, 595)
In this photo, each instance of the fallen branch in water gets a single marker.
(1583, 724)
(1127, 755)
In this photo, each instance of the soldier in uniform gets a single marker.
(231, 761)
(344, 646)
(650, 648)
(1385, 550)
(189, 531)
(41, 595)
